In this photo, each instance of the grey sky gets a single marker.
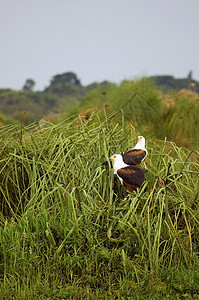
(97, 39)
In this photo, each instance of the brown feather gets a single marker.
(132, 175)
(134, 156)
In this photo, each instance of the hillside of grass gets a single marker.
(36, 105)
(67, 229)
(173, 115)
(65, 93)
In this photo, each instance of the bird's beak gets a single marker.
(112, 157)
(139, 138)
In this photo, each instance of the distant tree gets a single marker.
(68, 77)
(190, 75)
(29, 85)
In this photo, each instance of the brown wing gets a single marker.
(134, 156)
(132, 175)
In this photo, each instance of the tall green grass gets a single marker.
(173, 115)
(182, 122)
(139, 100)
(66, 229)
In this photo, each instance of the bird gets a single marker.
(130, 176)
(136, 155)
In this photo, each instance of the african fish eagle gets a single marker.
(137, 154)
(130, 176)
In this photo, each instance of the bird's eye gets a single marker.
(114, 156)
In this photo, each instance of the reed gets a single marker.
(66, 231)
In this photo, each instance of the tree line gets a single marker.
(64, 92)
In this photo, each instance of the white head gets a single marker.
(118, 162)
(141, 143)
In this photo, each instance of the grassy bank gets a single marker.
(66, 231)
(173, 115)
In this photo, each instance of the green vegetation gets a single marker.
(172, 115)
(29, 85)
(68, 229)
(36, 104)
(66, 232)
(169, 83)
(65, 93)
